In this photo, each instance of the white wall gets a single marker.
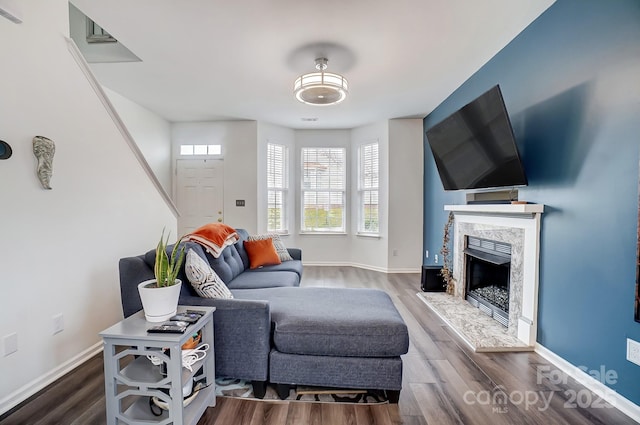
(239, 140)
(151, 133)
(405, 194)
(322, 249)
(399, 247)
(368, 251)
(60, 248)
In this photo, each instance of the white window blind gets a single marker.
(277, 185)
(368, 189)
(323, 189)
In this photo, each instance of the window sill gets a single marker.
(323, 233)
(369, 235)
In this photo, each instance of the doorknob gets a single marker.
(219, 220)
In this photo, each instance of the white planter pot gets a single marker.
(159, 304)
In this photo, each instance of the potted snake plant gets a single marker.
(159, 296)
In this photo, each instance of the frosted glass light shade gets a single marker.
(321, 88)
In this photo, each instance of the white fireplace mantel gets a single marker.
(508, 209)
(518, 224)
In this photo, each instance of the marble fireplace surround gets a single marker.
(518, 225)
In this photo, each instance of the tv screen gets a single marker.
(474, 147)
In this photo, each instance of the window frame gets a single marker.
(283, 189)
(332, 191)
(198, 146)
(365, 187)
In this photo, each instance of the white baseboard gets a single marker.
(325, 264)
(31, 388)
(368, 267)
(621, 403)
(360, 266)
(405, 271)
(385, 270)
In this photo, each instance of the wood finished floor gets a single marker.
(444, 382)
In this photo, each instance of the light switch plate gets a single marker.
(633, 351)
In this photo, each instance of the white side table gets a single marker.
(131, 379)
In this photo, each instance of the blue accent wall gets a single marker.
(571, 84)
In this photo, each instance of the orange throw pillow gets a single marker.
(261, 253)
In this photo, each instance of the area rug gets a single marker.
(479, 331)
(236, 388)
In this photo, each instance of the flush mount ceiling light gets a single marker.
(321, 88)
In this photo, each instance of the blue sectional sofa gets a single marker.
(272, 330)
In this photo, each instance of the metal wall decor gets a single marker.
(5, 150)
(44, 149)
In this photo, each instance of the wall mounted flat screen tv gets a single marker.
(474, 148)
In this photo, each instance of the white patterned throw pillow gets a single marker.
(277, 243)
(204, 280)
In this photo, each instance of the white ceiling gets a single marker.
(206, 60)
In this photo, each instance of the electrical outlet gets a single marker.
(395, 252)
(10, 343)
(633, 351)
(58, 323)
(435, 259)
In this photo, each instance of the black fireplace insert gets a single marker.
(488, 267)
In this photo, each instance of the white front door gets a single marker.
(199, 193)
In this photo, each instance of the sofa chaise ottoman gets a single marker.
(335, 337)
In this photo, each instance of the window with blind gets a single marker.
(368, 189)
(277, 185)
(323, 190)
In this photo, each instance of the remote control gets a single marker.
(187, 317)
(170, 329)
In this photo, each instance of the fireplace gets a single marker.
(514, 229)
(487, 278)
